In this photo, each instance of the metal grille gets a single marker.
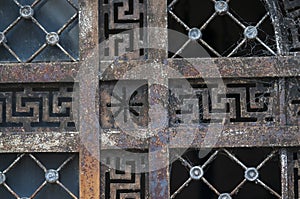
(121, 177)
(223, 28)
(38, 176)
(224, 175)
(117, 17)
(36, 107)
(41, 30)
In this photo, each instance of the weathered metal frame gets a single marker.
(278, 67)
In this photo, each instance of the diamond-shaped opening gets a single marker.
(26, 2)
(270, 174)
(9, 12)
(224, 174)
(53, 14)
(25, 177)
(194, 13)
(248, 11)
(252, 190)
(5, 194)
(252, 157)
(51, 191)
(25, 38)
(5, 55)
(222, 34)
(6, 161)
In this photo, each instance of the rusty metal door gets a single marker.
(149, 99)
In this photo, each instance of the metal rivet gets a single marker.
(51, 176)
(221, 7)
(2, 38)
(26, 12)
(196, 173)
(2, 178)
(224, 196)
(250, 32)
(52, 38)
(251, 174)
(195, 34)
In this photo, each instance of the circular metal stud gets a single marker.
(2, 178)
(250, 32)
(221, 7)
(196, 173)
(26, 12)
(51, 176)
(52, 38)
(251, 174)
(2, 38)
(224, 196)
(195, 34)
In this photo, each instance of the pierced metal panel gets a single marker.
(222, 28)
(36, 107)
(116, 17)
(123, 102)
(239, 101)
(293, 101)
(121, 177)
(294, 162)
(40, 30)
(226, 174)
(38, 176)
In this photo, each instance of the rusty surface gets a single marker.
(38, 72)
(206, 67)
(39, 142)
(89, 175)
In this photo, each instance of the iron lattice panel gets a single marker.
(121, 176)
(222, 28)
(36, 107)
(40, 30)
(226, 174)
(39, 175)
(117, 19)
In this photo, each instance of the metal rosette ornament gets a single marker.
(155, 75)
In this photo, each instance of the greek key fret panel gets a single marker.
(292, 8)
(119, 17)
(243, 101)
(121, 178)
(293, 101)
(28, 107)
(123, 102)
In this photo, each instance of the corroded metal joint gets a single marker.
(221, 7)
(224, 196)
(250, 32)
(51, 176)
(26, 12)
(2, 178)
(195, 34)
(52, 38)
(251, 174)
(2, 38)
(196, 173)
